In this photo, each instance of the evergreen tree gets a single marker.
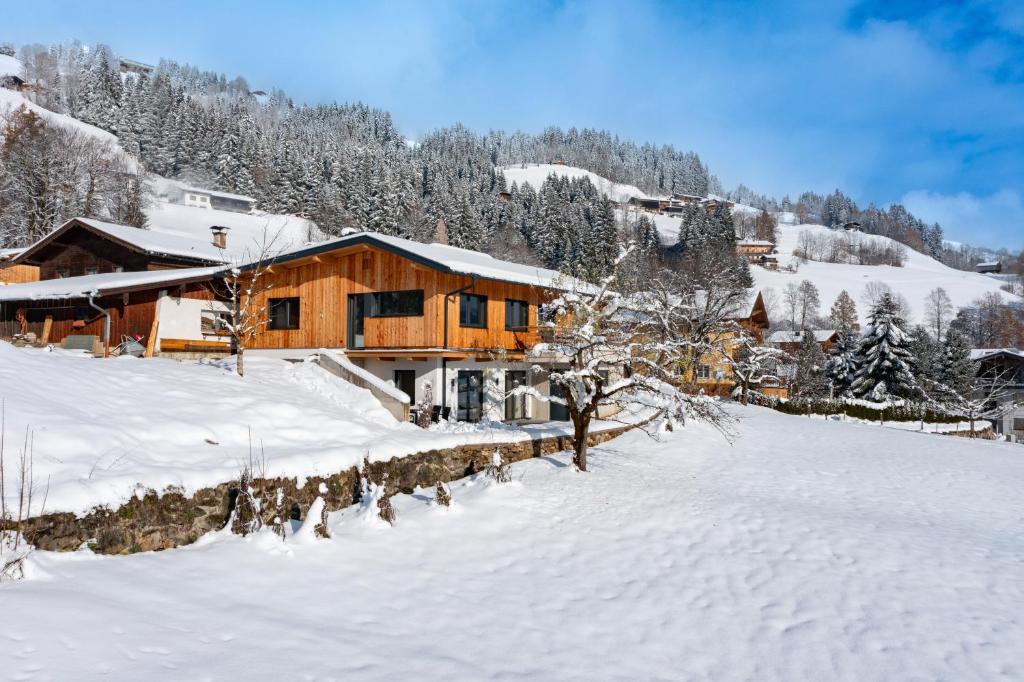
(885, 363)
(810, 379)
(957, 370)
(844, 313)
(841, 365)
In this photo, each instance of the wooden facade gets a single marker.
(18, 274)
(131, 313)
(324, 283)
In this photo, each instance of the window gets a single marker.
(62, 274)
(472, 310)
(396, 303)
(517, 314)
(283, 313)
(118, 268)
(1018, 424)
(704, 372)
(92, 271)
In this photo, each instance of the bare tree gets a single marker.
(243, 286)
(597, 329)
(938, 312)
(14, 549)
(752, 364)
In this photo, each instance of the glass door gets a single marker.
(515, 405)
(559, 412)
(471, 395)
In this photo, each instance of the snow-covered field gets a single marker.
(919, 275)
(849, 552)
(537, 173)
(102, 428)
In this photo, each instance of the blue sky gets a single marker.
(919, 102)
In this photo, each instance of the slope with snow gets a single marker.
(158, 422)
(850, 553)
(537, 173)
(919, 275)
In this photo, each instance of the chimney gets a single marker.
(220, 236)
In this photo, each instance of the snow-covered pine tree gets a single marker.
(885, 364)
(841, 365)
(809, 381)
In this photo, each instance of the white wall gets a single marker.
(180, 318)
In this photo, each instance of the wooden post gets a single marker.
(151, 341)
(47, 328)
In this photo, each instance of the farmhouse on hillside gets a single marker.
(1005, 365)
(790, 341)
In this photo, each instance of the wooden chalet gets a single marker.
(15, 274)
(713, 373)
(101, 282)
(418, 315)
(790, 341)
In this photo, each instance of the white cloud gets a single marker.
(994, 220)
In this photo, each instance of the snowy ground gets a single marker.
(810, 550)
(536, 173)
(103, 427)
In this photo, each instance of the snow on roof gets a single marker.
(9, 66)
(781, 336)
(248, 230)
(987, 264)
(450, 259)
(7, 254)
(218, 193)
(103, 284)
(982, 353)
(755, 242)
(149, 241)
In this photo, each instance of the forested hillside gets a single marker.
(348, 165)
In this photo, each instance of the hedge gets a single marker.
(858, 409)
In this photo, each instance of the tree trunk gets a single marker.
(240, 360)
(579, 442)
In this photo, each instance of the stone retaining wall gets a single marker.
(161, 521)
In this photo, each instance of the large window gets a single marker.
(517, 314)
(473, 310)
(283, 313)
(396, 303)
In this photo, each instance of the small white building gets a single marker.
(223, 201)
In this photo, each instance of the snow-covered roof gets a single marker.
(450, 259)
(988, 264)
(9, 66)
(218, 193)
(755, 242)
(782, 336)
(982, 353)
(147, 241)
(8, 254)
(104, 284)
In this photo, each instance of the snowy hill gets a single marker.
(918, 276)
(537, 173)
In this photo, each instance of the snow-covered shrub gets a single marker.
(24, 489)
(374, 502)
(321, 530)
(425, 407)
(277, 525)
(442, 495)
(245, 517)
(497, 470)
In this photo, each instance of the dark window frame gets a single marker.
(524, 306)
(375, 300)
(463, 311)
(293, 305)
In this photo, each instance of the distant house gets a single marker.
(223, 201)
(992, 267)
(1008, 365)
(713, 373)
(11, 73)
(648, 204)
(132, 66)
(758, 252)
(790, 341)
(10, 273)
